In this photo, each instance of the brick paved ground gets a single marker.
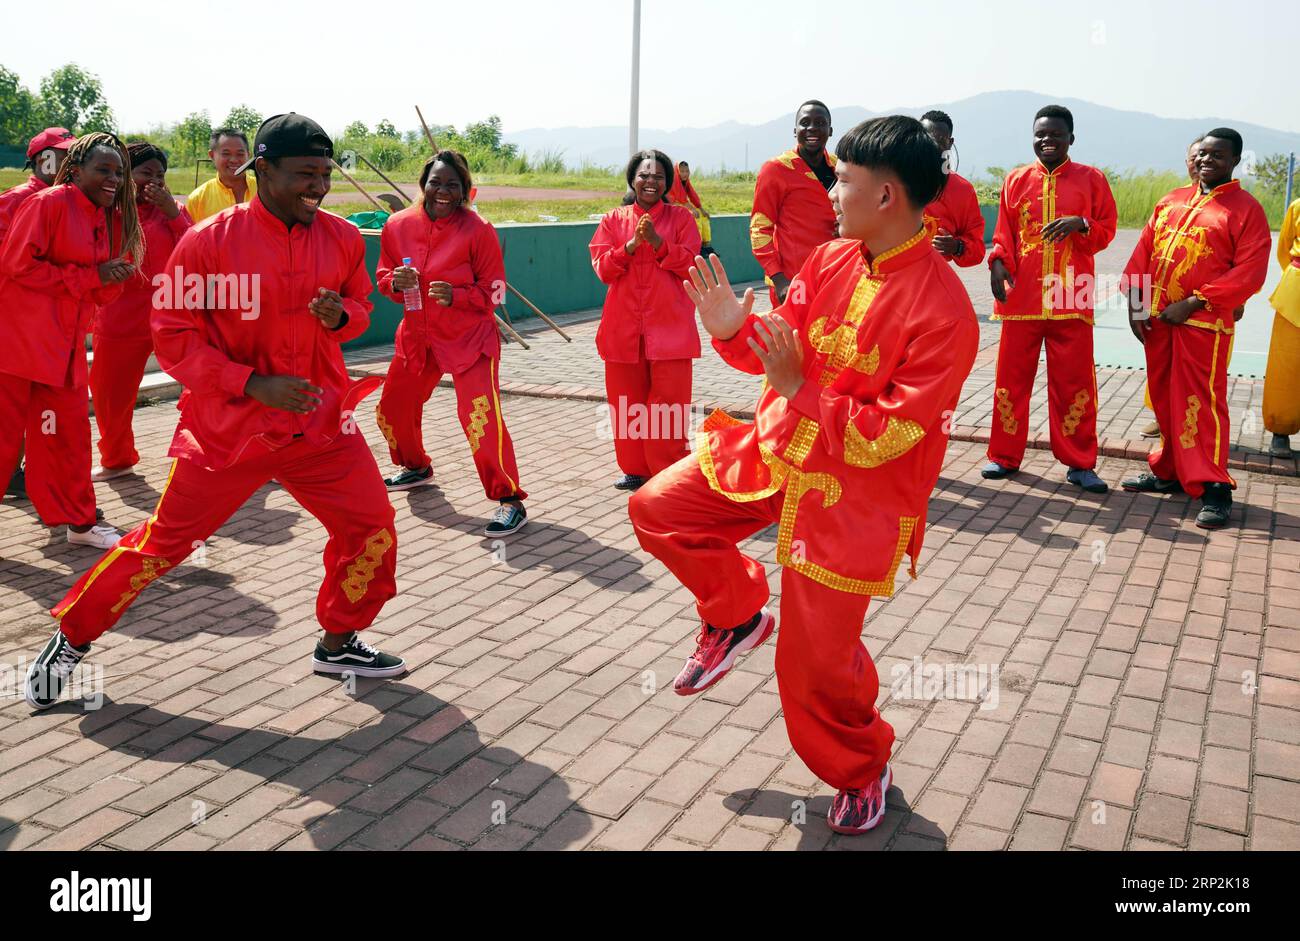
(1148, 694)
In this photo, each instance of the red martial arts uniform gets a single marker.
(845, 468)
(647, 335)
(49, 288)
(14, 197)
(462, 339)
(228, 444)
(682, 194)
(123, 343)
(1051, 303)
(792, 215)
(1215, 246)
(957, 212)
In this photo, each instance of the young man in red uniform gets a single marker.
(68, 250)
(792, 214)
(953, 221)
(1203, 254)
(45, 153)
(261, 297)
(647, 335)
(123, 343)
(864, 365)
(1054, 217)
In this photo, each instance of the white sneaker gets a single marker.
(100, 472)
(100, 536)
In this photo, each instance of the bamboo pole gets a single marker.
(427, 134)
(400, 192)
(511, 330)
(551, 323)
(347, 176)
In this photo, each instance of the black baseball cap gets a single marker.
(289, 135)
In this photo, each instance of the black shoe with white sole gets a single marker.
(630, 482)
(409, 479)
(509, 518)
(51, 670)
(358, 658)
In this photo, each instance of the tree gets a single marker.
(194, 133)
(243, 118)
(1271, 174)
(385, 129)
(357, 130)
(73, 98)
(18, 110)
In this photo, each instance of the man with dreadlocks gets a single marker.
(123, 343)
(266, 398)
(69, 249)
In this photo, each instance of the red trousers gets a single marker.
(1071, 391)
(1187, 371)
(56, 423)
(478, 405)
(650, 407)
(338, 483)
(115, 374)
(826, 678)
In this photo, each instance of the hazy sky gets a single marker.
(567, 62)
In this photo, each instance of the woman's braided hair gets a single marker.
(123, 203)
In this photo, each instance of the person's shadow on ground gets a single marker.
(808, 816)
(541, 544)
(420, 776)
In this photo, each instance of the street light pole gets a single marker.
(635, 119)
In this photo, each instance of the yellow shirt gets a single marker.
(1286, 299)
(213, 196)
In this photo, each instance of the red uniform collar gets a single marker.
(900, 256)
(82, 201)
(655, 212)
(1058, 171)
(37, 184)
(1218, 190)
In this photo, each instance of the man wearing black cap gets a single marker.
(263, 295)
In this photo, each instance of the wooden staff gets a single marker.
(553, 325)
(385, 179)
(511, 330)
(347, 176)
(432, 143)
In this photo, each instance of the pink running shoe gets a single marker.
(716, 652)
(855, 811)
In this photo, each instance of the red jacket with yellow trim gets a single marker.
(792, 214)
(957, 212)
(235, 303)
(463, 250)
(1052, 281)
(1214, 245)
(887, 345)
(646, 300)
(50, 286)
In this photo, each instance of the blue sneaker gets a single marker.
(995, 471)
(1087, 479)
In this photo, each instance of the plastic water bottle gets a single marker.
(411, 298)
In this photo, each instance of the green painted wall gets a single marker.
(551, 266)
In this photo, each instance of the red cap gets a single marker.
(59, 138)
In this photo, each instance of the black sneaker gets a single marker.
(1150, 483)
(356, 657)
(509, 518)
(1217, 507)
(1280, 447)
(17, 485)
(629, 482)
(50, 672)
(410, 479)
(995, 471)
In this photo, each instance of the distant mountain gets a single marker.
(993, 129)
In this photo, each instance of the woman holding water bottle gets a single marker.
(443, 263)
